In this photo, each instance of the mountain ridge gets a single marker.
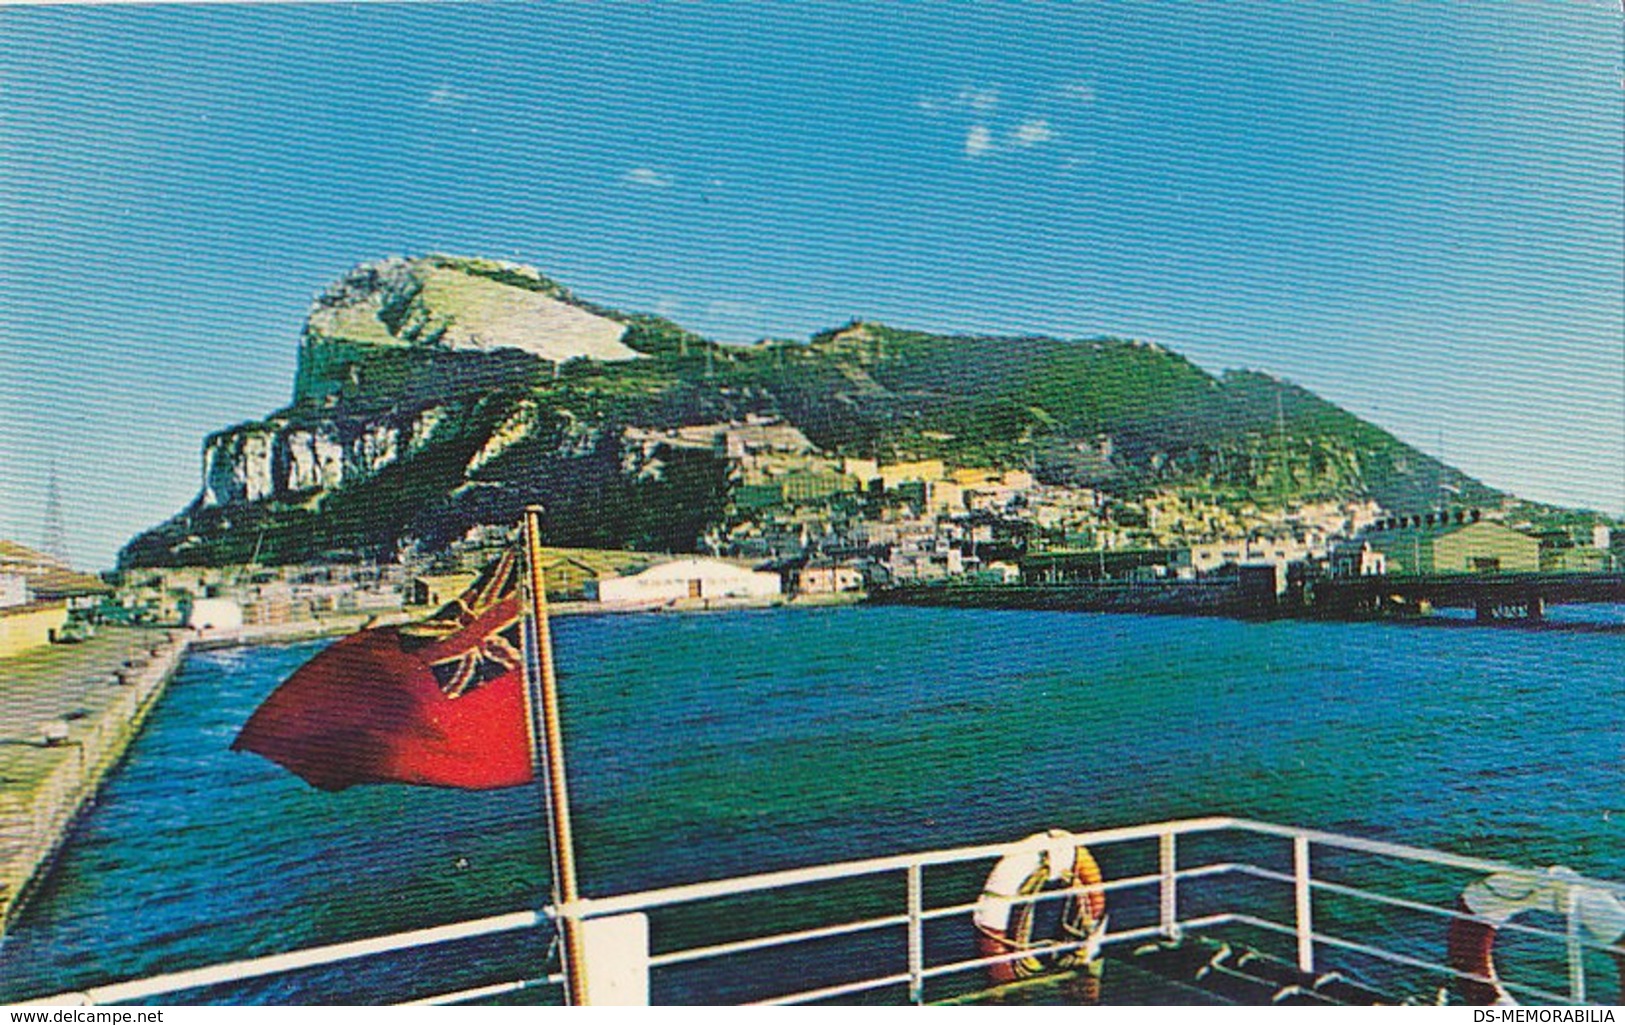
(439, 393)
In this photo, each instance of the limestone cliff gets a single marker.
(286, 460)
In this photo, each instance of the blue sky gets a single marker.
(1416, 211)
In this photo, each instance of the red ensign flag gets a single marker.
(437, 703)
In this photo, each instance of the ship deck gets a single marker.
(1195, 972)
(1197, 911)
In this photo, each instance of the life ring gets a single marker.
(1486, 905)
(1004, 919)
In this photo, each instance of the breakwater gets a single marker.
(1180, 599)
(300, 630)
(67, 715)
(1497, 599)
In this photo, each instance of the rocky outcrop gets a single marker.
(515, 428)
(278, 460)
(237, 466)
(447, 304)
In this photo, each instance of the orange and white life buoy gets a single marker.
(1004, 917)
(1495, 900)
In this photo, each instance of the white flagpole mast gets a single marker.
(547, 755)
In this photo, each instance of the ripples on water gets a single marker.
(707, 746)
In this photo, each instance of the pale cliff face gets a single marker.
(275, 460)
(435, 304)
(237, 466)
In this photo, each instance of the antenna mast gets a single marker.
(54, 536)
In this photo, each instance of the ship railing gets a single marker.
(618, 961)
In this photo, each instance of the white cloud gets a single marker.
(1032, 132)
(994, 127)
(978, 141)
(647, 177)
(982, 100)
(445, 95)
(668, 306)
(1078, 92)
(975, 99)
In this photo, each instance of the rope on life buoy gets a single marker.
(1004, 915)
(1489, 903)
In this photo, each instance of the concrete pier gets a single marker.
(67, 715)
(68, 712)
(338, 625)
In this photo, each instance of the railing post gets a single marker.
(916, 936)
(614, 967)
(1168, 857)
(1305, 910)
(1577, 954)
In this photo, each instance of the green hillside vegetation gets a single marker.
(1122, 416)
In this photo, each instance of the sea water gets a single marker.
(704, 746)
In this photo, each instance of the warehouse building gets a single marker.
(1481, 547)
(683, 579)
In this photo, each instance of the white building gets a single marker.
(1358, 559)
(830, 578)
(13, 590)
(925, 562)
(215, 617)
(1004, 572)
(1206, 558)
(684, 579)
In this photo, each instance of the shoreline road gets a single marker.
(67, 715)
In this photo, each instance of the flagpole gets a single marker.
(547, 751)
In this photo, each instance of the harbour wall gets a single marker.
(1501, 600)
(1182, 599)
(299, 630)
(70, 714)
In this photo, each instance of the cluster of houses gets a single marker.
(846, 523)
(830, 523)
(265, 595)
(38, 594)
(805, 524)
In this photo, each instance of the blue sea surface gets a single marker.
(705, 746)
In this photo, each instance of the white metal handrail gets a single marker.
(740, 885)
(1166, 880)
(280, 964)
(1405, 852)
(1417, 906)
